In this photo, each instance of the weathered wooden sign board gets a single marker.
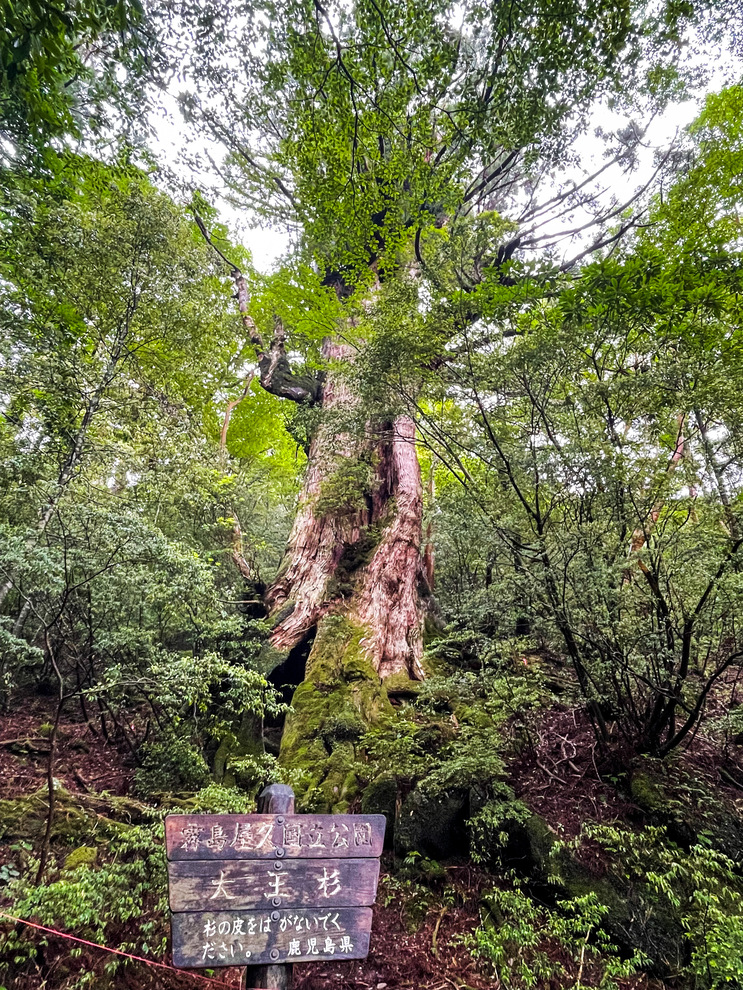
(253, 889)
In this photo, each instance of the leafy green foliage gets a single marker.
(584, 443)
(170, 765)
(364, 122)
(527, 945)
(120, 509)
(98, 902)
(701, 886)
(67, 68)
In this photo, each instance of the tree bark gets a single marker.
(355, 581)
(388, 594)
(367, 563)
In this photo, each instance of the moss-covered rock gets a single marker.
(401, 686)
(635, 919)
(339, 698)
(508, 835)
(685, 806)
(646, 792)
(380, 798)
(434, 826)
(82, 856)
(78, 818)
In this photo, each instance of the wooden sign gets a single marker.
(271, 889)
(243, 938)
(208, 885)
(272, 836)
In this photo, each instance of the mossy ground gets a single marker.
(79, 819)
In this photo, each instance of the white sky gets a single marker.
(173, 137)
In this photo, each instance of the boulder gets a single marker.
(433, 826)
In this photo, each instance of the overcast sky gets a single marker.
(267, 245)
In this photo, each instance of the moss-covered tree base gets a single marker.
(339, 698)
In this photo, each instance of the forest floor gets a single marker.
(415, 942)
(419, 936)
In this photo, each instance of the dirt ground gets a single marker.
(417, 943)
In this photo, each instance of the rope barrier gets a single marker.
(106, 948)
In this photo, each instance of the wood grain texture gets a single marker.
(206, 939)
(221, 837)
(251, 885)
(276, 799)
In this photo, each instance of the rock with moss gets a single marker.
(82, 856)
(433, 825)
(635, 919)
(686, 807)
(78, 818)
(402, 687)
(380, 798)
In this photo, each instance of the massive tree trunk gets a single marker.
(353, 584)
(362, 560)
(352, 597)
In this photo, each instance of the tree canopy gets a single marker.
(442, 518)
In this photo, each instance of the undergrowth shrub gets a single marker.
(453, 737)
(702, 887)
(171, 764)
(492, 826)
(525, 944)
(120, 900)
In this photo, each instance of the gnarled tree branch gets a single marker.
(274, 368)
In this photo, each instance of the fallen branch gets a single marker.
(434, 949)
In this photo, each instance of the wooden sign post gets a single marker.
(271, 889)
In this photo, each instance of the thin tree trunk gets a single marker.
(50, 784)
(718, 472)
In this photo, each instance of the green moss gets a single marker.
(540, 837)
(647, 792)
(683, 803)
(354, 557)
(281, 614)
(78, 818)
(401, 686)
(269, 659)
(82, 856)
(433, 627)
(433, 665)
(339, 698)
(346, 490)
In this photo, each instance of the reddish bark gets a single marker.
(389, 591)
(389, 594)
(390, 599)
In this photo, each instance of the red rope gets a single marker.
(119, 952)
